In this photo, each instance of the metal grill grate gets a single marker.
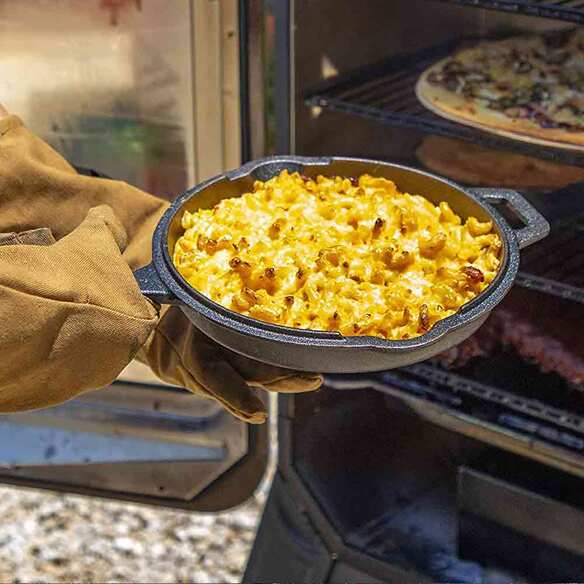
(385, 92)
(568, 10)
(538, 409)
(543, 407)
(556, 265)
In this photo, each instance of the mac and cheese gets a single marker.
(337, 254)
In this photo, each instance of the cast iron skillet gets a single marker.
(330, 352)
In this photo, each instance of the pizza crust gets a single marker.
(478, 166)
(452, 106)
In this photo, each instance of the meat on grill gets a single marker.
(482, 344)
(541, 328)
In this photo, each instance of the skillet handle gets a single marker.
(535, 227)
(153, 287)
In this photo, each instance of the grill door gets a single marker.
(133, 441)
(151, 93)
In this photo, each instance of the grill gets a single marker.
(567, 10)
(504, 390)
(473, 474)
(385, 92)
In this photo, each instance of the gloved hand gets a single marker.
(40, 189)
(72, 316)
(181, 354)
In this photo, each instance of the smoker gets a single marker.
(466, 468)
(428, 472)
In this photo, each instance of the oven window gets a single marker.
(107, 83)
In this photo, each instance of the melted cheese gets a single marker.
(358, 257)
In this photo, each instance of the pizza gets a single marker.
(529, 87)
(479, 166)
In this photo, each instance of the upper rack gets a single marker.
(568, 10)
(385, 92)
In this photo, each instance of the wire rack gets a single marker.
(385, 92)
(556, 266)
(568, 10)
(541, 408)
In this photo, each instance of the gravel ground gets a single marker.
(53, 538)
(46, 537)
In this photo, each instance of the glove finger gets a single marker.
(271, 377)
(229, 388)
(296, 383)
(95, 219)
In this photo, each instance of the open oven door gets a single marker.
(155, 94)
(136, 441)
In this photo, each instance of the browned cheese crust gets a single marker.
(527, 88)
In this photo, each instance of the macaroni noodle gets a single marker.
(337, 254)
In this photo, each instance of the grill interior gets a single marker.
(503, 389)
(568, 10)
(385, 92)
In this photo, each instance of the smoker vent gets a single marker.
(385, 92)
(568, 10)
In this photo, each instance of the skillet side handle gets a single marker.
(536, 226)
(152, 286)
(291, 163)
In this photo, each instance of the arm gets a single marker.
(38, 188)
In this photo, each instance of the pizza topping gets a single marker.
(540, 79)
(518, 112)
(523, 66)
(557, 39)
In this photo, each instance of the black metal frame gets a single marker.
(244, 80)
(283, 67)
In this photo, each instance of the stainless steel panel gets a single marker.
(110, 94)
(129, 438)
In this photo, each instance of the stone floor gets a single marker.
(45, 537)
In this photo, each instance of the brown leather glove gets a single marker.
(72, 316)
(181, 354)
(40, 189)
